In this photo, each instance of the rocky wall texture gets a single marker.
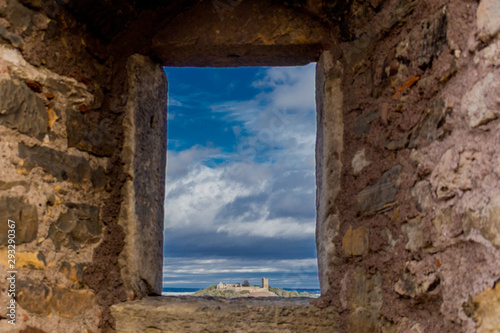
(200, 314)
(408, 165)
(60, 136)
(144, 154)
(416, 245)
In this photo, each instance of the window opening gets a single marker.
(240, 190)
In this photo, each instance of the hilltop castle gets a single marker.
(238, 287)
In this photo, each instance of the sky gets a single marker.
(240, 190)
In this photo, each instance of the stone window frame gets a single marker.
(141, 261)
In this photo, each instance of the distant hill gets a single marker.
(273, 292)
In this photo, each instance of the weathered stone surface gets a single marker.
(359, 162)
(197, 314)
(364, 123)
(456, 172)
(40, 298)
(212, 39)
(30, 329)
(25, 215)
(447, 226)
(73, 271)
(25, 259)
(432, 38)
(356, 242)
(141, 214)
(486, 310)
(488, 18)
(397, 144)
(487, 220)
(417, 280)
(70, 93)
(18, 14)
(397, 16)
(422, 195)
(408, 286)
(357, 50)
(482, 103)
(14, 39)
(7, 185)
(62, 166)
(430, 126)
(417, 237)
(77, 227)
(379, 196)
(329, 149)
(21, 109)
(426, 40)
(87, 133)
(365, 301)
(99, 179)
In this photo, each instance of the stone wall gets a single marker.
(56, 144)
(64, 101)
(413, 220)
(408, 163)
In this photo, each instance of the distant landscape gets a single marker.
(213, 291)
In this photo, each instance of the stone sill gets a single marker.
(217, 314)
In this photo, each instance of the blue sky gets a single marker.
(240, 192)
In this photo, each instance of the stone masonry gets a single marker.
(407, 158)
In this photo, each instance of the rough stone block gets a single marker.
(273, 33)
(25, 259)
(21, 109)
(427, 40)
(482, 103)
(417, 280)
(14, 39)
(487, 220)
(377, 197)
(488, 19)
(144, 157)
(430, 126)
(417, 237)
(87, 133)
(31, 329)
(359, 162)
(43, 299)
(486, 310)
(422, 196)
(73, 271)
(456, 172)
(431, 39)
(25, 215)
(364, 123)
(7, 185)
(62, 166)
(365, 301)
(356, 242)
(77, 227)
(329, 149)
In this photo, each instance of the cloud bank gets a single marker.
(249, 190)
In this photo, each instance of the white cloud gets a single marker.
(174, 102)
(269, 228)
(180, 162)
(254, 192)
(175, 267)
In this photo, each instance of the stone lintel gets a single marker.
(251, 33)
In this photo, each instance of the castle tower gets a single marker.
(265, 283)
